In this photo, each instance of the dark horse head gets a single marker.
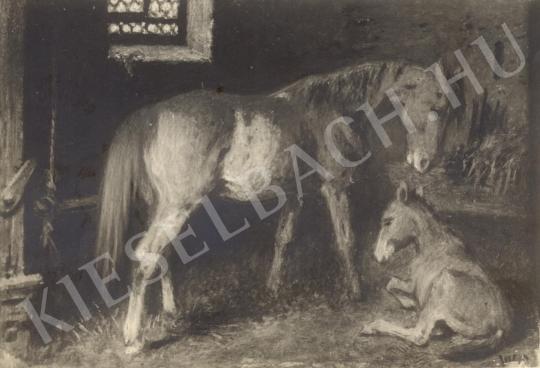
(430, 112)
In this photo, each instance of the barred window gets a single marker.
(147, 21)
(160, 30)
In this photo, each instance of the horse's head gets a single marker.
(428, 108)
(398, 226)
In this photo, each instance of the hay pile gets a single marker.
(495, 164)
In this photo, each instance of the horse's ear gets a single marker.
(419, 191)
(402, 193)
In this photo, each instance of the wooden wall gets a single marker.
(11, 128)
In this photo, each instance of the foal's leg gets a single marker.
(166, 224)
(418, 335)
(338, 204)
(284, 234)
(401, 290)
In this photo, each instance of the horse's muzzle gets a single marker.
(384, 254)
(419, 161)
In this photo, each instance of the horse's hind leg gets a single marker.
(338, 205)
(284, 234)
(166, 224)
(167, 288)
(167, 293)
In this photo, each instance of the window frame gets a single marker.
(198, 37)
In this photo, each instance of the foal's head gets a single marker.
(429, 109)
(399, 224)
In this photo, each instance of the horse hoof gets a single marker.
(351, 296)
(134, 348)
(356, 297)
(369, 329)
(171, 323)
(272, 292)
(273, 286)
(169, 317)
(366, 331)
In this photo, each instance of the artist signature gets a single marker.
(516, 359)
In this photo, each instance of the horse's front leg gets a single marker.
(284, 235)
(162, 231)
(402, 291)
(338, 205)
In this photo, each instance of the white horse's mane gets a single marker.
(351, 84)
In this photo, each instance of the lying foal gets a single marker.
(446, 286)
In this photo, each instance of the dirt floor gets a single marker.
(317, 336)
(316, 331)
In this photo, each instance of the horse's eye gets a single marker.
(387, 221)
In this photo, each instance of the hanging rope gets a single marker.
(46, 206)
(47, 239)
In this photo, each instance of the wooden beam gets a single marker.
(79, 204)
(11, 128)
(12, 194)
(200, 26)
(15, 286)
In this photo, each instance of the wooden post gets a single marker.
(14, 284)
(11, 128)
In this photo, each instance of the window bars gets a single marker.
(160, 30)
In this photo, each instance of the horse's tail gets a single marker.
(460, 346)
(123, 176)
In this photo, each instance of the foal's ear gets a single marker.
(402, 193)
